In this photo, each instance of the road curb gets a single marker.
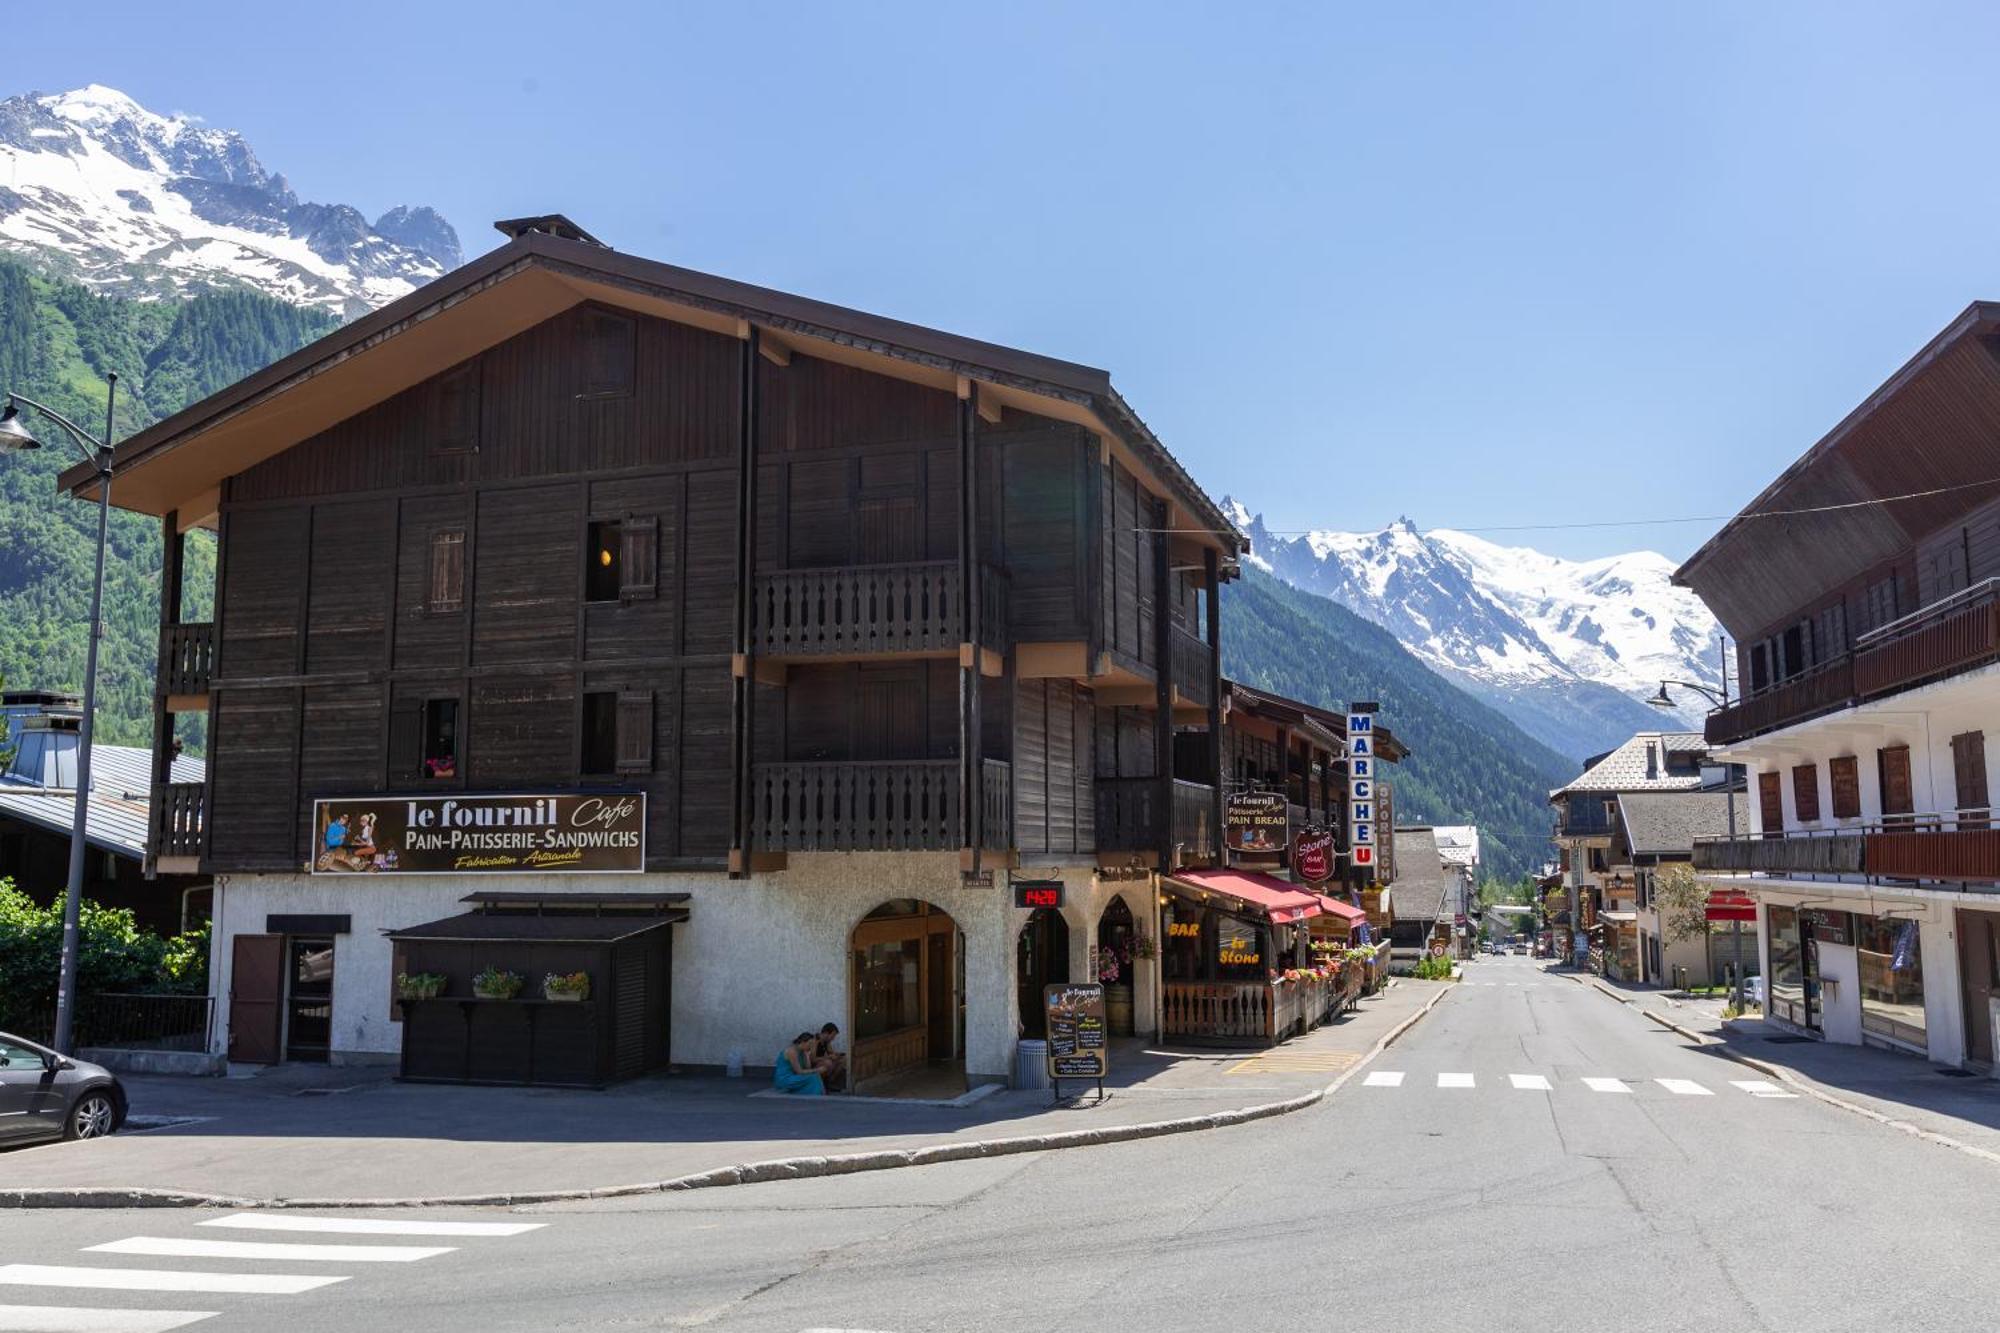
(750, 1173)
(1801, 1084)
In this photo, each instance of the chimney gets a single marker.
(548, 224)
(43, 728)
(1652, 760)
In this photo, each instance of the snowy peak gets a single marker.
(1570, 648)
(133, 202)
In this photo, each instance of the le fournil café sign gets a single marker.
(555, 833)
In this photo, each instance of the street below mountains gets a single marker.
(1531, 1155)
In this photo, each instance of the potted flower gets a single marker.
(1143, 947)
(419, 985)
(494, 984)
(569, 986)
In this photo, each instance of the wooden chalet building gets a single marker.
(811, 629)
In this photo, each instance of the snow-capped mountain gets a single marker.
(1568, 649)
(117, 197)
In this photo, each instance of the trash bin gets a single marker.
(1031, 1064)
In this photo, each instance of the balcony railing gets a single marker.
(187, 658)
(887, 806)
(1129, 818)
(859, 610)
(1192, 669)
(1821, 690)
(176, 818)
(1958, 848)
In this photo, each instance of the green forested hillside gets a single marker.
(1468, 764)
(56, 342)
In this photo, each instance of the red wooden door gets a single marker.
(1897, 795)
(256, 991)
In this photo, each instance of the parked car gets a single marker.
(44, 1095)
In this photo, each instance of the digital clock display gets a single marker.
(1033, 893)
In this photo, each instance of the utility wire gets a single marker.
(1643, 522)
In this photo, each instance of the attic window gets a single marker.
(610, 354)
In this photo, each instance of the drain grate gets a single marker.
(1787, 1041)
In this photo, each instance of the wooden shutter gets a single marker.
(406, 740)
(1805, 792)
(1968, 763)
(1770, 801)
(610, 354)
(639, 558)
(455, 423)
(1844, 775)
(447, 571)
(1893, 763)
(635, 731)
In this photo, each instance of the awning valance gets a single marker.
(1283, 903)
(477, 927)
(1731, 907)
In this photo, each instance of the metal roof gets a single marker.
(121, 785)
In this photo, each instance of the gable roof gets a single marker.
(1424, 889)
(1663, 823)
(177, 464)
(1625, 768)
(121, 786)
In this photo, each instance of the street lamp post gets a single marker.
(1721, 700)
(15, 436)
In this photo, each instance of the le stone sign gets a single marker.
(563, 833)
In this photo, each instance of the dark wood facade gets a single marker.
(800, 604)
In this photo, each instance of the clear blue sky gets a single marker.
(1477, 263)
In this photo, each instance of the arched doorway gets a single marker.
(907, 993)
(1117, 932)
(1042, 959)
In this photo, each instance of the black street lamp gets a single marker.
(1720, 698)
(15, 437)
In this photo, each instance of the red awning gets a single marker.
(1347, 912)
(1283, 903)
(1731, 907)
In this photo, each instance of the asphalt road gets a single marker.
(1463, 1192)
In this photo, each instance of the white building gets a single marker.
(1869, 648)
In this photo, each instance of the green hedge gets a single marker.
(116, 956)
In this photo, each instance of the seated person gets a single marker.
(828, 1060)
(794, 1072)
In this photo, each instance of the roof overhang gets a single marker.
(178, 465)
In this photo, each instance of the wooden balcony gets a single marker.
(1820, 691)
(1193, 676)
(868, 610)
(886, 806)
(1952, 855)
(187, 665)
(1129, 817)
(1818, 854)
(175, 822)
(1930, 648)
(1952, 848)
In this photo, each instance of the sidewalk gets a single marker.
(327, 1137)
(1907, 1091)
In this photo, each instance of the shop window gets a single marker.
(1890, 960)
(440, 738)
(1788, 978)
(1239, 949)
(888, 990)
(447, 583)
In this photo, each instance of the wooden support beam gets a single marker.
(772, 350)
(989, 407)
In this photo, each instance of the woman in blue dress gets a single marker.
(794, 1071)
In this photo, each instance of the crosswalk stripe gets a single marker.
(1530, 1082)
(1757, 1087)
(151, 1279)
(87, 1319)
(366, 1226)
(1685, 1087)
(198, 1247)
(1606, 1085)
(1455, 1081)
(1384, 1078)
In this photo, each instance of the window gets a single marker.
(600, 734)
(440, 739)
(1805, 792)
(601, 575)
(1844, 774)
(447, 591)
(623, 560)
(1760, 668)
(610, 354)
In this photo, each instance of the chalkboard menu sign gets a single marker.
(1076, 1031)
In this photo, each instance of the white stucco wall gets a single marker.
(758, 959)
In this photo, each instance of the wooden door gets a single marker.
(1979, 965)
(1893, 763)
(889, 715)
(1770, 802)
(1968, 764)
(256, 995)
